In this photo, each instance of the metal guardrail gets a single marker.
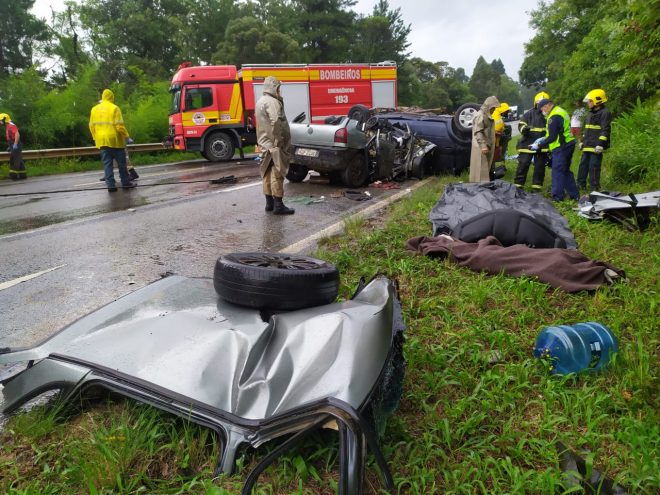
(74, 152)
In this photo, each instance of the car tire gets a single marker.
(418, 166)
(297, 173)
(356, 172)
(219, 147)
(360, 113)
(463, 117)
(275, 280)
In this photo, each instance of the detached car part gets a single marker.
(176, 346)
(633, 211)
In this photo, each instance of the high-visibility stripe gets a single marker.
(527, 150)
(380, 73)
(235, 109)
(537, 129)
(589, 149)
(284, 75)
(592, 126)
(603, 138)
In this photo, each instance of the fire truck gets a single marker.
(213, 106)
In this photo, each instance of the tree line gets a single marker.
(52, 71)
(587, 44)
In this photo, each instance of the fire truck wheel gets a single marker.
(297, 173)
(203, 153)
(219, 147)
(275, 280)
(356, 172)
(463, 117)
(360, 113)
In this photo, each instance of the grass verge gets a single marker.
(479, 413)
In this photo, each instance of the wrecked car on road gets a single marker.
(357, 151)
(367, 145)
(252, 372)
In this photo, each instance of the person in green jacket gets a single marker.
(561, 143)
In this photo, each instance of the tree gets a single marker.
(485, 80)
(324, 29)
(585, 44)
(65, 49)
(134, 32)
(433, 85)
(249, 40)
(203, 28)
(381, 36)
(20, 31)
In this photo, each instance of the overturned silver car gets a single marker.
(251, 374)
(356, 152)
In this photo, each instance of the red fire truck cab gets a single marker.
(213, 106)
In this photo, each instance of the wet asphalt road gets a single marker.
(95, 247)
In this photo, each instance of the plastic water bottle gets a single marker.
(573, 348)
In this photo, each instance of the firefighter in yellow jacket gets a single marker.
(110, 136)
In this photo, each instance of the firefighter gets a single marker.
(561, 143)
(502, 134)
(14, 148)
(532, 127)
(483, 141)
(596, 139)
(274, 138)
(110, 136)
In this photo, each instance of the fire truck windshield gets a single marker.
(176, 102)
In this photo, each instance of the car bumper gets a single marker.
(326, 159)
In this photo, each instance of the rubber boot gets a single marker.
(270, 203)
(280, 208)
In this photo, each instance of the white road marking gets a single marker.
(16, 281)
(306, 245)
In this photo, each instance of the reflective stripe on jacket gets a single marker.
(565, 135)
(531, 127)
(597, 129)
(107, 124)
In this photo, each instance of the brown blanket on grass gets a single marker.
(566, 269)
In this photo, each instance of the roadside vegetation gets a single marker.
(479, 414)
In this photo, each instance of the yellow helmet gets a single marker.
(4, 118)
(504, 107)
(541, 96)
(598, 96)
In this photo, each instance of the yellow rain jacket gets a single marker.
(107, 124)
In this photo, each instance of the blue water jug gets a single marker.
(573, 348)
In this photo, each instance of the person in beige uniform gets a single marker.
(483, 141)
(274, 138)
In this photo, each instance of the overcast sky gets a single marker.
(454, 31)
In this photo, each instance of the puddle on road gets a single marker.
(22, 224)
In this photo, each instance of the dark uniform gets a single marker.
(531, 127)
(597, 130)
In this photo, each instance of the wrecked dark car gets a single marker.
(452, 135)
(249, 369)
(356, 152)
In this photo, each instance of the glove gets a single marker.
(598, 150)
(536, 144)
(130, 141)
(581, 145)
(15, 147)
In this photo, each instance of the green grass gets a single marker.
(479, 414)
